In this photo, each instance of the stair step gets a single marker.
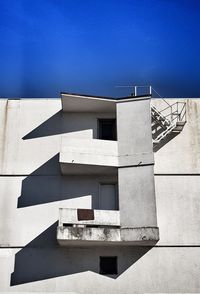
(159, 123)
(163, 135)
(179, 126)
(162, 126)
(157, 128)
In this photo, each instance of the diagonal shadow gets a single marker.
(50, 127)
(43, 258)
(55, 125)
(166, 140)
(40, 188)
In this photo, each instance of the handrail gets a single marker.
(171, 118)
(171, 105)
(179, 114)
(175, 112)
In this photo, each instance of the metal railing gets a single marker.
(175, 112)
(135, 89)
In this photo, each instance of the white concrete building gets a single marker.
(83, 208)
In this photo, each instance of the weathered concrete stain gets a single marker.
(3, 140)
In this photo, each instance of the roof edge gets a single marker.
(113, 99)
(87, 96)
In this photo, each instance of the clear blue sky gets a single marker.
(49, 46)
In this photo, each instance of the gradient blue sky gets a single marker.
(49, 46)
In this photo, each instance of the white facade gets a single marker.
(128, 159)
(51, 158)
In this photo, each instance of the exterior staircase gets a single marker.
(168, 121)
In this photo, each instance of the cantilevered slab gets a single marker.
(107, 235)
(102, 229)
(82, 156)
(73, 169)
(88, 103)
(83, 103)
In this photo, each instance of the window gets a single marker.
(107, 129)
(108, 199)
(108, 265)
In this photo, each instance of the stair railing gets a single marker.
(175, 112)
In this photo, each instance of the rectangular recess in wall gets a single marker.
(108, 196)
(108, 265)
(107, 129)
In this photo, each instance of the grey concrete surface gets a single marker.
(137, 202)
(165, 270)
(184, 148)
(32, 190)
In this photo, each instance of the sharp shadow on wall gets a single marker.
(43, 258)
(51, 126)
(40, 188)
(163, 142)
(55, 125)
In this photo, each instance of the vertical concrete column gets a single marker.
(135, 175)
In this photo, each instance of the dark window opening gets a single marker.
(108, 196)
(107, 129)
(108, 265)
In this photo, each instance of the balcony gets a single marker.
(94, 156)
(100, 227)
(84, 156)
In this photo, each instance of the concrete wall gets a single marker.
(32, 190)
(134, 129)
(30, 133)
(137, 197)
(92, 152)
(184, 149)
(136, 182)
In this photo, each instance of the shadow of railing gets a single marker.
(158, 146)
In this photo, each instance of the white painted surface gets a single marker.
(101, 217)
(150, 273)
(178, 209)
(99, 153)
(31, 133)
(181, 155)
(134, 130)
(40, 265)
(92, 152)
(137, 197)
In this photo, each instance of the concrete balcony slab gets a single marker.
(89, 217)
(82, 156)
(85, 227)
(93, 156)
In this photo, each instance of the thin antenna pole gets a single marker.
(136, 88)
(161, 97)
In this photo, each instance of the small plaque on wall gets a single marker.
(85, 214)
